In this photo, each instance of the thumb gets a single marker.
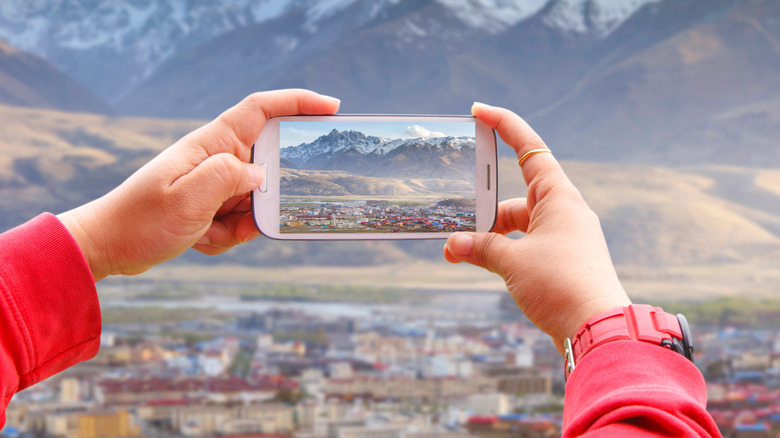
(486, 250)
(219, 178)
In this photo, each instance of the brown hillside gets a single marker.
(30, 81)
(693, 225)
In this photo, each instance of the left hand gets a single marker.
(194, 194)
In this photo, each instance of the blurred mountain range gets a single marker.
(670, 90)
(115, 46)
(653, 216)
(645, 81)
(28, 80)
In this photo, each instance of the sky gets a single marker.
(295, 133)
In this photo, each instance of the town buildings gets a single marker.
(341, 377)
(290, 373)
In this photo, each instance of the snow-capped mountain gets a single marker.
(340, 142)
(335, 142)
(636, 80)
(110, 47)
(354, 152)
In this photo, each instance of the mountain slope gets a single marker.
(671, 81)
(355, 152)
(409, 57)
(295, 182)
(113, 46)
(707, 93)
(52, 160)
(30, 81)
(110, 46)
(333, 143)
(655, 218)
(677, 82)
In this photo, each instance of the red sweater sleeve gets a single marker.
(50, 316)
(628, 388)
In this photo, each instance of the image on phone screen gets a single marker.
(376, 177)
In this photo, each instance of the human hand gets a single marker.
(560, 273)
(194, 194)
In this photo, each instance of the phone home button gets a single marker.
(264, 185)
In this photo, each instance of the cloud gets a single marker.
(416, 131)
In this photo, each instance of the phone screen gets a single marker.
(377, 177)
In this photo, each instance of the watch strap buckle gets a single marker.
(569, 357)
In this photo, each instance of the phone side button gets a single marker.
(264, 186)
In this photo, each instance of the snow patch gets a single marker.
(600, 17)
(319, 10)
(325, 8)
(415, 29)
(94, 29)
(610, 14)
(286, 43)
(568, 15)
(493, 16)
(269, 10)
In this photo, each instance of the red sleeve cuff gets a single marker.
(634, 388)
(51, 314)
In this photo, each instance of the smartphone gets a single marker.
(366, 177)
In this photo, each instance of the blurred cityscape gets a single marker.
(183, 360)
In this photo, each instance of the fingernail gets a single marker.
(476, 105)
(256, 174)
(337, 100)
(204, 240)
(460, 244)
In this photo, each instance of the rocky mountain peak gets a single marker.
(349, 136)
(355, 151)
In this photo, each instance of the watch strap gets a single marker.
(636, 322)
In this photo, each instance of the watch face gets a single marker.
(687, 339)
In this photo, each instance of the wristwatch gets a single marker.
(637, 322)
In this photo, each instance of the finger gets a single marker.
(215, 181)
(238, 203)
(449, 257)
(512, 216)
(236, 129)
(247, 118)
(486, 250)
(246, 229)
(209, 249)
(542, 172)
(226, 233)
(521, 137)
(231, 230)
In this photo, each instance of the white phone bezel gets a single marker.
(265, 204)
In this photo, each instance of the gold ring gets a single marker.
(532, 152)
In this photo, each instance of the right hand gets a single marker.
(560, 273)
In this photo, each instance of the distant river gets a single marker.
(474, 306)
